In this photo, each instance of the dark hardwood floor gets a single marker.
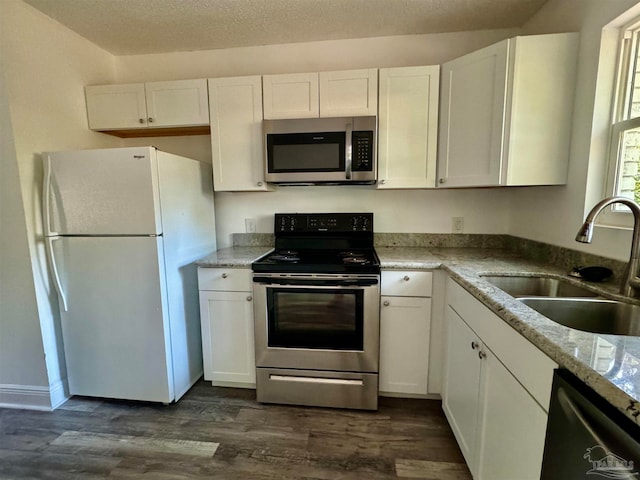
(225, 434)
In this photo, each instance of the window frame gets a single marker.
(625, 79)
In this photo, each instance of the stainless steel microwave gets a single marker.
(321, 157)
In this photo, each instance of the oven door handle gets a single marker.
(360, 282)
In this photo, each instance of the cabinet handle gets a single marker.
(482, 355)
(249, 298)
(141, 120)
(474, 345)
(442, 180)
(259, 184)
(406, 278)
(385, 303)
(382, 182)
(150, 120)
(224, 275)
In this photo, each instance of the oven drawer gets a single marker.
(406, 283)
(225, 279)
(317, 388)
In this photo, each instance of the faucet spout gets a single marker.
(630, 285)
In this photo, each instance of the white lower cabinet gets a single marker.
(405, 319)
(512, 426)
(462, 382)
(496, 391)
(226, 316)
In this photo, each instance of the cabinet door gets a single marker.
(290, 96)
(461, 383)
(408, 127)
(180, 103)
(404, 344)
(236, 133)
(227, 338)
(512, 427)
(349, 93)
(472, 118)
(113, 107)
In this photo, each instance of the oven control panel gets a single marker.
(323, 222)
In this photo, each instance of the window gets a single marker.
(624, 174)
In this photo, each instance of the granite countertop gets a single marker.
(233, 257)
(609, 364)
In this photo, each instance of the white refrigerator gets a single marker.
(122, 227)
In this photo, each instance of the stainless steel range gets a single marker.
(317, 321)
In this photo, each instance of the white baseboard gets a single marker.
(30, 397)
(59, 393)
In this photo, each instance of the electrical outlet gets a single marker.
(457, 224)
(250, 225)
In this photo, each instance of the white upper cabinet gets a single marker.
(116, 106)
(290, 96)
(506, 111)
(175, 104)
(349, 93)
(408, 127)
(326, 94)
(236, 133)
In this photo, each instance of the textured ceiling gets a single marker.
(125, 27)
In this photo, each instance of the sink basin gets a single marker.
(590, 314)
(521, 286)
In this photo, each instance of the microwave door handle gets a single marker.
(348, 154)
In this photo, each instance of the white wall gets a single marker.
(427, 211)
(46, 67)
(306, 57)
(21, 350)
(484, 210)
(553, 215)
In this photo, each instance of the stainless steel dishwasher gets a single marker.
(587, 438)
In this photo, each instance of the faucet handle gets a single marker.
(634, 283)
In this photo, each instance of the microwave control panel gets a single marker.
(362, 160)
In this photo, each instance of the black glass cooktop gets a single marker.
(319, 261)
(321, 243)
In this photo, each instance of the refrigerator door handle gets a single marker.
(46, 198)
(54, 269)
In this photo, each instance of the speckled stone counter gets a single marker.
(609, 364)
(233, 257)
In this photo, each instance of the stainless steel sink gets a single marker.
(590, 314)
(526, 286)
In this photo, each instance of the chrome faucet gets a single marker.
(630, 285)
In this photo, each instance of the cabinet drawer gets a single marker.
(404, 283)
(225, 279)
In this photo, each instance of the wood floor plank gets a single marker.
(424, 470)
(44, 465)
(115, 439)
(123, 444)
